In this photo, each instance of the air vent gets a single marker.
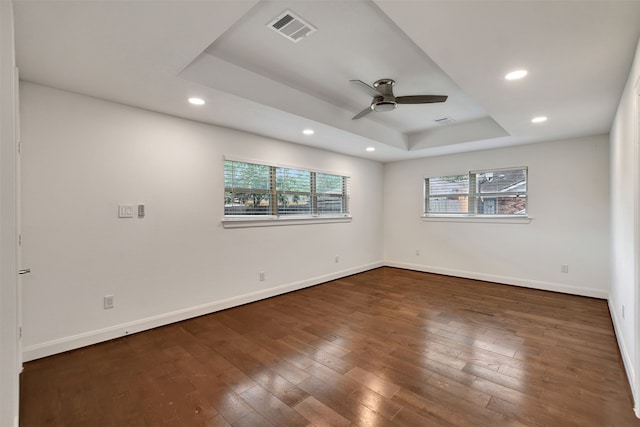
(444, 121)
(291, 26)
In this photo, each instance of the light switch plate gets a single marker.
(125, 211)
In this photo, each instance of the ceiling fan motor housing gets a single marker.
(387, 101)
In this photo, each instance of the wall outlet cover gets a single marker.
(108, 301)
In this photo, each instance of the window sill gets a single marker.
(494, 219)
(272, 221)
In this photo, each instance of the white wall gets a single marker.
(9, 346)
(83, 156)
(625, 225)
(568, 199)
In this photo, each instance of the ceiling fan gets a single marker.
(385, 100)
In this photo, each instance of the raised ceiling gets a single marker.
(156, 54)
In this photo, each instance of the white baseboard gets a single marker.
(60, 345)
(626, 358)
(515, 281)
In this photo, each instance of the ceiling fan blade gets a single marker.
(364, 87)
(420, 99)
(362, 113)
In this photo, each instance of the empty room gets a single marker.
(319, 213)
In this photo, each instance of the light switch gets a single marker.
(141, 211)
(125, 211)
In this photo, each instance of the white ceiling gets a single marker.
(156, 54)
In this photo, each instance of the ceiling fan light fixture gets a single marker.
(516, 75)
(383, 106)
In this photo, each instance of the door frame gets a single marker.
(9, 311)
(636, 266)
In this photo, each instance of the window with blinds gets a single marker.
(500, 192)
(252, 189)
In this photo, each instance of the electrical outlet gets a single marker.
(564, 268)
(337, 259)
(262, 276)
(107, 301)
(417, 252)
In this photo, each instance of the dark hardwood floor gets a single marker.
(385, 347)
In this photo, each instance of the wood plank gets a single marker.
(319, 414)
(373, 382)
(339, 401)
(272, 408)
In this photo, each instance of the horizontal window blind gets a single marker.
(332, 193)
(501, 192)
(293, 190)
(256, 189)
(490, 192)
(448, 194)
(247, 189)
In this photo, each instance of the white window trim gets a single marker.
(274, 221)
(487, 219)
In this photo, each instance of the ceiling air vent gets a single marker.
(291, 26)
(444, 121)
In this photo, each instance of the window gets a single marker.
(448, 194)
(500, 192)
(252, 189)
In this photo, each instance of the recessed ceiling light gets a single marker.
(540, 119)
(515, 75)
(370, 149)
(196, 101)
(308, 132)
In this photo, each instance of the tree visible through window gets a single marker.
(494, 192)
(256, 189)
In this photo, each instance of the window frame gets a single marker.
(472, 202)
(276, 217)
